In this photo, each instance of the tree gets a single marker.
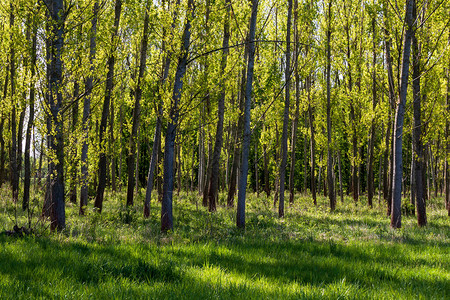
(284, 136)
(417, 127)
(399, 118)
(169, 157)
(214, 178)
(330, 178)
(105, 110)
(136, 111)
(27, 175)
(87, 112)
(240, 219)
(55, 40)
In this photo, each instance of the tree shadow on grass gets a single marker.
(310, 263)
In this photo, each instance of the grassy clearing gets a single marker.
(312, 254)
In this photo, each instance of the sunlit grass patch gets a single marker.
(310, 254)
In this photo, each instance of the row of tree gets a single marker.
(238, 92)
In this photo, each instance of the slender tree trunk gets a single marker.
(417, 129)
(157, 135)
(240, 218)
(86, 113)
(13, 150)
(112, 142)
(330, 158)
(55, 120)
(27, 179)
(341, 192)
(399, 116)
(370, 176)
(214, 179)
(266, 171)
(105, 109)
(166, 208)
(284, 135)
(447, 131)
(136, 112)
(238, 133)
(297, 107)
(74, 163)
(312, 141)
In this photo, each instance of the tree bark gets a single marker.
(399, 116)
(55, 121)
(370, 176)
(157, 135)
(297, 108)
(240, 218)
(312, 141)
(417, 128)
(214, 179)
(87, 112)
(27, 179)
(284, 135)
(13, 150)
(166, 207)
(331, 193)
(105, 109)
(447, 131)
(136, 113)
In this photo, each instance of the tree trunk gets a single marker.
(399, 116)
(312, 142)
(157, 135)
(370, 176)
(74, 163)
(86, 113)
(297, 108)
(284, 135)
(240, 218)
(417, 128)
(331, 193)
(238, 133)
(55, 121)
(214, 178)
(13, 151)
(105, 109)
(27, 179)
(166, 207)
(136, 113)
(447, 131)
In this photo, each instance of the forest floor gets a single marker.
(312, 253)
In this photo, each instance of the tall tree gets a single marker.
(55, 41)
(105, 110)
(297, 110)
(284, 135)
(157, 135)
(370, 176)
(27, 179)
(136, 111)
(12, 70)
(397, 175)
(417, 127)
(87, 111)
(214, 178)
(169, 157)
(330, 177)
(240, 219)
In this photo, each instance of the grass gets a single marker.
(311, 254)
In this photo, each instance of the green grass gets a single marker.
(312, 254)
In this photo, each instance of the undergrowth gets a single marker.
(312, 253)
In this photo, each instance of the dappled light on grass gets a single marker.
(312, 253)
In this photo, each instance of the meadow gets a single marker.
(351, 253)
